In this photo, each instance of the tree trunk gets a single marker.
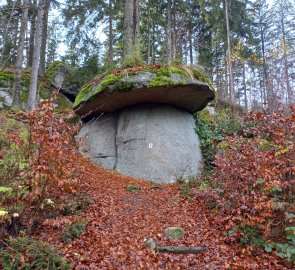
(5, 34)
(190, 36)
(20, 54)
(111, 51)
(32, 100)
(169, 34)
(245, 85)
(136, 23)
(153, 45)
(149, 34)
(286, 67)
(128, 28)
(229, 62)
(32, 34)
(44, 38)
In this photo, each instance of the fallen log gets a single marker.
(174, 249)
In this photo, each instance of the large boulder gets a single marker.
(141, 124)
(152, 142)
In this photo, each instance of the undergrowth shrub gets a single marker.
(36, 167)
(74, 230)
(26, 253)
(213, 127)
(253, 182)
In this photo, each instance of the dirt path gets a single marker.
(119, 221)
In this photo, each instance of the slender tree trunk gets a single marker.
(186, 49)
(32, 100)
(174, 32)
(128, 33)
(265, 79)
(6, 32)
(245, 85)
(149, 33)
(44, 38)
(110, 51)
(169, 34)
(136, 23)
(16, 33)
(286, 67)
(20, 54)
(229, 64)
(190, 35)
(32, 33)
(153, 45)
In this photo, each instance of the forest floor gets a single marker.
(119, 221)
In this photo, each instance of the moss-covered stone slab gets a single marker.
(174, 233)
(44, 89)
(183, 87)
(61, 76)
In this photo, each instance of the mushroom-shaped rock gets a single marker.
(141, 121)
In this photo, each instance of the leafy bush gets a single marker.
(26, 253)
(212, 128)
(253, 182)
(36, 165)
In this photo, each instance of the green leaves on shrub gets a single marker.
(73, 231)
(25, 253)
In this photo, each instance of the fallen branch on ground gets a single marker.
(174, 249)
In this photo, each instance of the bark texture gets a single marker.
(20, 54)
(32, 100)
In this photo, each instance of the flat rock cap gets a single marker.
(185, 88)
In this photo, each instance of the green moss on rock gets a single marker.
(198, 75)
(44, 88)
(161, 81)
(165, 71)
(179, 71)
(164, 77)
(174, 232)
(82, 94)
(109, 80)
(51, 70)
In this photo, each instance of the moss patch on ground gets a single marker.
(164, 77)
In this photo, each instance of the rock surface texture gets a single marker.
(140, 123)
(151, 142)
(60, 75)
(5, 97)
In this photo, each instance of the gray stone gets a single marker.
(157, 143)
(174, 232)
(60, 77)
(5, 97)
(152, 142)
(98, 140)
